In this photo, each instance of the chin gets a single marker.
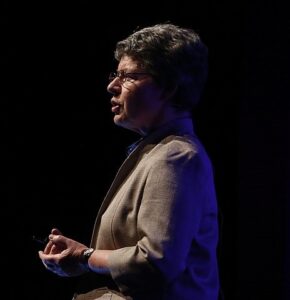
(119, 121)
(122, 123)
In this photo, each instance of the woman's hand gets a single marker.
(63, 256)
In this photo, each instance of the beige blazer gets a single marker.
(160, 218)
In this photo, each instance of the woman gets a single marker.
(156, 233)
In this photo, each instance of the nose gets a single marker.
(114, 87)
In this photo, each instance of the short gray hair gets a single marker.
(175, 57)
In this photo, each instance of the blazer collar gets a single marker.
(180, 126)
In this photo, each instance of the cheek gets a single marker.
(149, 101)
(133, 107)
(134, 103)
(141, 103)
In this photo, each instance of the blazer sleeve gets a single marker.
(177, 187)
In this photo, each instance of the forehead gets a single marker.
(127, 63)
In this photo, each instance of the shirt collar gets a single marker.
(178, 126)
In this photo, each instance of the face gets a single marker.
(137, 103)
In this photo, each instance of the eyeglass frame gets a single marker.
(124, 76)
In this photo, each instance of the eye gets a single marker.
(130, 77)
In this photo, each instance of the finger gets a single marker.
(42, 255)
(50, 259)
(57, 243)
(56, 231)
(54, 249)
(48, 247)
(57, 239)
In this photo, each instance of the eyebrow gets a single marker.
(131, 71)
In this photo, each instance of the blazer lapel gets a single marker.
(121, 175)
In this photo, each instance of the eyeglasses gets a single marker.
(123, 76)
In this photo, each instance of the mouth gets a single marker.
(116, 107)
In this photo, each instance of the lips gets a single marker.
(116, 109)
(115, 106)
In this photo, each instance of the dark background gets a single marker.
(60, 149)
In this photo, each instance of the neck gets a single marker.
(162, 119)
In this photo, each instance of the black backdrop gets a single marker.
(60, 149)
